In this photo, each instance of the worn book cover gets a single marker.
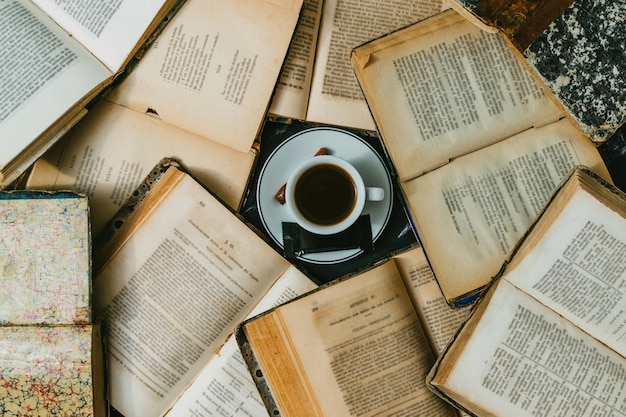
(50, 352)
(45, 258)
(51, 371)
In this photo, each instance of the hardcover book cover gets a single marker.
(45, 258)
(51, 370)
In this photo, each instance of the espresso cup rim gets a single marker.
(359, 203)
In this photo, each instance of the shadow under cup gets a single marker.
(326, 194)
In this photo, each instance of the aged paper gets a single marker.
(213, 69)
(484, 202)
(225, 387)
(457, 89)
(354, 348)
(112, 31)
(43, 66)
(183, 272)
(114, 148)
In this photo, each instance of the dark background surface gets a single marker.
(613, 152)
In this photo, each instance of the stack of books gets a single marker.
(51, 351)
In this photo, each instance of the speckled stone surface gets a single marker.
(581, 57)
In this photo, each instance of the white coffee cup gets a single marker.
(326, 194)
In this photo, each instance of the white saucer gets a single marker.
(303, 145)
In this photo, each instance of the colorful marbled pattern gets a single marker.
(45, 262)
(46, 371)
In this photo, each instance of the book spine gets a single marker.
(256, 373)
(521, 20)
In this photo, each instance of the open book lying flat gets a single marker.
(549, 336)
(57, 57)
(171, 285)
(317, 83)
(479, 148)
(199, 94)
(355, 346)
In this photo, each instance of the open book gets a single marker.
(355, 346)
(439, 320)
(549, 333)
(199, 94)
(171, 286)
(573, 47)
(57, 57)
(317, 83)
(478, 147)
(225, 383)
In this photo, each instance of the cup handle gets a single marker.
(374, 193)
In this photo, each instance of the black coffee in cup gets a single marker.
(325, 194)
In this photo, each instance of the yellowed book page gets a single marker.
(439, 320)
(521, 360)
(114, 148)
(336, 96)
(175, 290)
(214, 67)
(462, 10)
(225, 387)
(471, 212)
(291, 97)
(361, 347)
(443, 88)
(577, 268)
(46, 74)
(110, 30)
